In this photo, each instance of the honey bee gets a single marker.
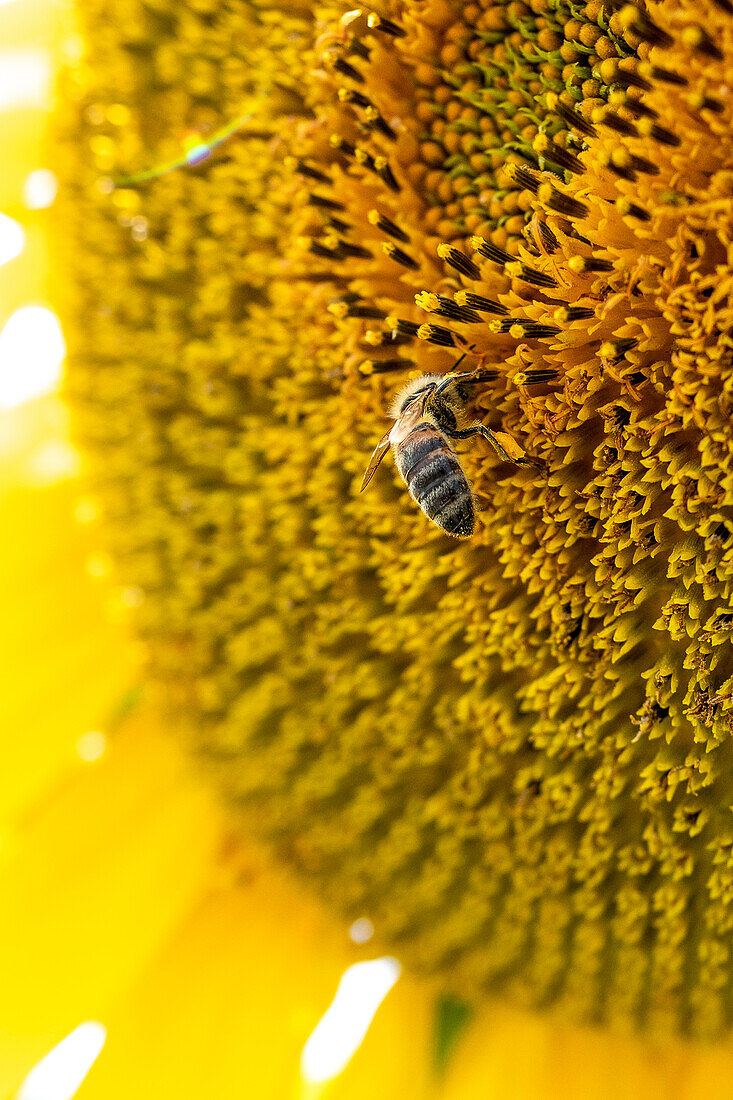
(428, 413)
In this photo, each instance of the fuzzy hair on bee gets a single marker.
(429, 412)
(410, 389)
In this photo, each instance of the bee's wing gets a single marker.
(379, 452)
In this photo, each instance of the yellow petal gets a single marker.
(518, 1056)
(63, 665)
(94, 880)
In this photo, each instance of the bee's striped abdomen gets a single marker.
(435, 479)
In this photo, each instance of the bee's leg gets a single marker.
(480, 429)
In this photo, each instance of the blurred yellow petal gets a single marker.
(517, 1056)
(97, 860)
(57, 629)
(95, 878)
(227, 1006)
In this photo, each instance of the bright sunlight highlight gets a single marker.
(361, 931)
(25, 79)
(39, 189)
(341, 1030)
(59, 1075)
(12, 239)
(91, 746)
(32, 350)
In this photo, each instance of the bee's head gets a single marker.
(411, 391)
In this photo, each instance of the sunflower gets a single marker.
(509, 753)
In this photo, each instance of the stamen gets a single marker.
(446, 307)
(573, 313)
(343, 66)
(547, 148)
(399, 256)
(638, 22)
(617, 162)
(350, 95)
(401, 327)
(581, 265)
(536, 377)
(378, 122)
(631, 209)
(611, 73)
(460, 262)
(649, 128)
(303, 169)
(572, 117)
(698, 101)
(666, 76)
(436, 334)
(357, 250)
(342, 145)
(639, 109)
(523, 177)
(518, 327)
(696, 38)
(349, 298)
(383, 366)
(377, 22)
(615, 122)
(324, 203)
(518, 270)
(616, 349)
(641, 164)
(477, 301)
(357, 46)
(364, 158)
(344, 309)
(378, 339)
(534, 331)
(316, 248)
(549, 240)
(382, 168)
(482, 374)
(339, 225)
(381, 221)
(490, 251)
(561, 203)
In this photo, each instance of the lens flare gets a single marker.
(91, 746)
(39, 189)
(25, 79)
(32, 350)
(12, 239)
(59, 1075)
(341, 1030)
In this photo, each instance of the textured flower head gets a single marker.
(512, 753)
